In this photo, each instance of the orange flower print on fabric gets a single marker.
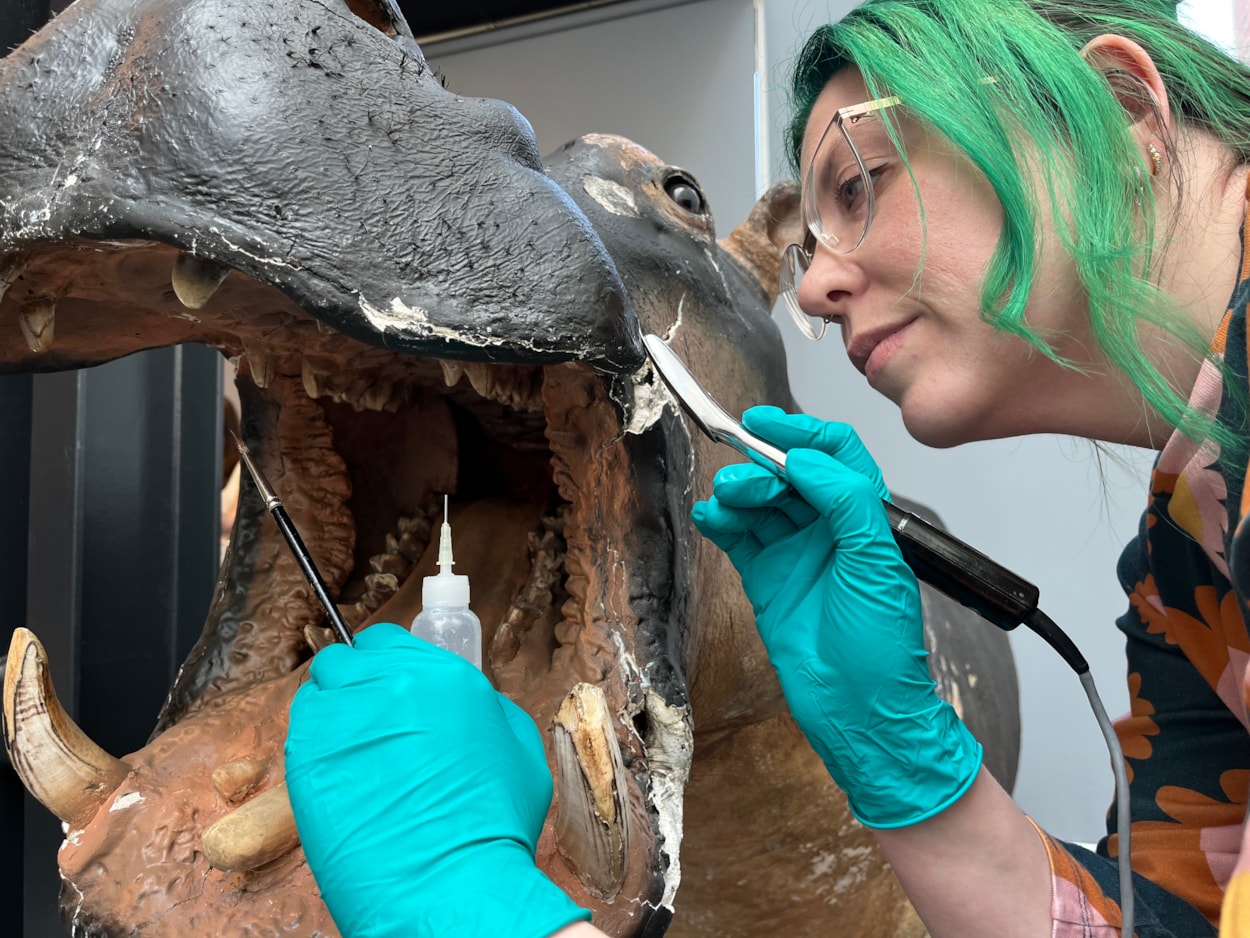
(1216, 644)
(1162, 484)
(1196, 852)
(1135, 729)
(1245, 501)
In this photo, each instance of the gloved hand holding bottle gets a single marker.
(419, 793)
(839, 612)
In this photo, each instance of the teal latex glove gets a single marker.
(839, 612)
(419, 793)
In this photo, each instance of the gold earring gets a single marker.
(1157, 157)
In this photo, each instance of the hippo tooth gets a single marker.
(236, 780)
(196, 279)
(378, 396)
(382, 583)
(312, 380)
(257, 833)
(411, 546)
(392, 562)
(57, 762)
(547, 554)
(482, 378)
(592, 821)
(451, 372)
(37, 319)
(264, 367)
(318, 637)
(11, 268)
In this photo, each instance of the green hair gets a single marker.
(936, 54)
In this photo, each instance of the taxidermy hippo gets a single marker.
(417, 306)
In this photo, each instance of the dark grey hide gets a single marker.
(309, 149)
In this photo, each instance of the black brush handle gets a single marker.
(304, 558)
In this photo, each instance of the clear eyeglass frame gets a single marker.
(797, 258)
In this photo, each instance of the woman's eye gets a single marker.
(851, 191)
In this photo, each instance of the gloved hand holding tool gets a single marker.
(839, 612)
(419, 793)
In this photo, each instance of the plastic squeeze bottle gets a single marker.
(445, 619)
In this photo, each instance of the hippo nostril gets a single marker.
(377, 14)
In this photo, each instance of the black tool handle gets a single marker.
(310, 572)
(962, 572)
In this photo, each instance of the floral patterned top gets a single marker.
(1186, 738)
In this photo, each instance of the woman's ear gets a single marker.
(1136, 83)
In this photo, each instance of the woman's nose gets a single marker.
(831, 282)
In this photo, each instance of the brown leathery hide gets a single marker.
(418, 304)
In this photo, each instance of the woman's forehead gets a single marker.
(844, 89)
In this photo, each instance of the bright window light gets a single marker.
(1213, 19)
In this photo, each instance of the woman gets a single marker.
(1025, 216)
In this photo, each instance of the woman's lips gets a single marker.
(870, 353)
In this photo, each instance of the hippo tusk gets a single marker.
(56, 761)
(257, 833)
(592, 817)
(196, 279)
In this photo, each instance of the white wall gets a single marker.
(681, 82)
(1213, 19)
(678, 81)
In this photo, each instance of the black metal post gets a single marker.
(18, 19)
(151, 496)
(15, 398)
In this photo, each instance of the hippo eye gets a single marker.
(685, 192)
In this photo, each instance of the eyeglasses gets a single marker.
(838, 198)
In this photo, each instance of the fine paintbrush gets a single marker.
(302, 557)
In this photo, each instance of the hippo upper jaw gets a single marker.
(307, 148)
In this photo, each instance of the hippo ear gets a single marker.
(757, 243)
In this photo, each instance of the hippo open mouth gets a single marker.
(359, 442)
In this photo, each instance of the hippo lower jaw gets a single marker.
(557, 521)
